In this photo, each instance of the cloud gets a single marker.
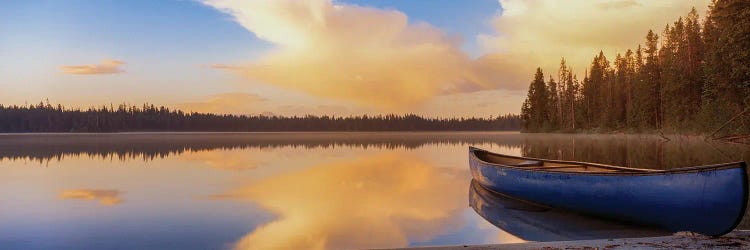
(105, 197)
(241, 103)
(536, 33)
(222, 66)
(232, 103)
(105, 67)
(376, 58)
(622, 4)
(384, 200)
(478, 104)
(366, 55)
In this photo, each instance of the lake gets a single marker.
(299, 190)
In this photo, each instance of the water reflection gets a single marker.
(642, 151)
(384, 200)
(536, 223)
(146, 146)
(104, 196)
(295, 190)
(225, 159)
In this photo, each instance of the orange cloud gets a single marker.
(621, 4)
(365, 55)
(232, 103)
(105, 67)
(251, 104)
(384, 200)
(222, 66)
(376, 58)
(538, 33)
(105, 197)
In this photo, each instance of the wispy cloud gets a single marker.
(105, 67)
(242, 103)
(366, 55)
(223, 66)
(237, 103)
(105, 197)
(618, 4)
(232, 103)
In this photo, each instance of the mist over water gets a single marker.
(292, 190)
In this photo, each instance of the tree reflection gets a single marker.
(642, 151)
(150, 146)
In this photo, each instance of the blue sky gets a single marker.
(171, 50)
(465, 18)
(181, 29)
(165, 41)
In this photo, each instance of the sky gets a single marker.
(437, 58)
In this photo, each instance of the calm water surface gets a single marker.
(298, 190)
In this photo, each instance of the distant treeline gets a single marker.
(693, 79)
(44, 117)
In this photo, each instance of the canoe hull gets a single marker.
(710, 202)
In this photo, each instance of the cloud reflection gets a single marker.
(233, 160)
(105, 197)
(385, 200)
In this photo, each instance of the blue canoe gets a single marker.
(710, 200)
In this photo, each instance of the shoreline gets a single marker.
(358, 131)
(737, 239)
(267, 132)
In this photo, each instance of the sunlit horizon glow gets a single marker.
(319, 57)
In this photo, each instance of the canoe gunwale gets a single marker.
(626, 171)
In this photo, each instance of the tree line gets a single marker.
(691, 78)
(45, 117)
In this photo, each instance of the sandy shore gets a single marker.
(735, 240)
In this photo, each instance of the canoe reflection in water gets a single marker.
(533, 222)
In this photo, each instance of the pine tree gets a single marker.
(652, 83)
(629, 75)
(671, 79)
(553, 106)
(568, 97)
(598, 92)
(727, 60)
(696, 78)
(694, 50)
(534, 110)
(619, 101)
